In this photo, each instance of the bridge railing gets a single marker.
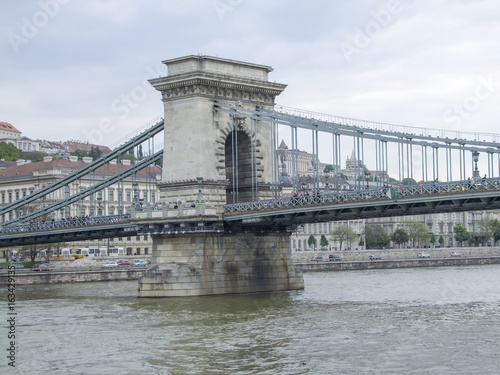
(386, 192)
(66, 223)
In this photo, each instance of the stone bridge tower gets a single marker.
(199, 142)
(212, 157)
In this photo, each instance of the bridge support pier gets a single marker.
(203, 264)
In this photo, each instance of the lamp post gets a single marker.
(475, 157)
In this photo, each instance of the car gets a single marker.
(317, 258)
(43, 267)
(375, 257)
(334, 258)
(139, 263)
(124, 262)
(423, 254)
(110, 265)
(17, 265)
(455, 254)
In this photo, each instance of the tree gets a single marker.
(328, 169)
(140, 154)
(79, 153)
(312, 241)
(9, 152)
(408, 181)
(417, 231)
(461, 234)
(95, 153)
(433, 239)
(375, 237)
(400, 236)
(344, 233)
(495, 228)
(441, 241)
(34, 156)
(323, 241)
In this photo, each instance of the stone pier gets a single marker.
(220, 263)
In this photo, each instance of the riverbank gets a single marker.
(387, 264)
(28, 277)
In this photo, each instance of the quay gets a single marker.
(29, 277)
(399, 263)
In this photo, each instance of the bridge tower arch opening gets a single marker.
(240, 168)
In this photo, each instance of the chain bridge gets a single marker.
(221, 149)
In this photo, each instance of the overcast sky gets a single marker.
(67, 65)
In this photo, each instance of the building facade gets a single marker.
(24, 178)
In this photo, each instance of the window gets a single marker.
(129, 238)
(111, 197)
(137, 238)
(146, 237)
(129, 196)
(146, 251)
(138, 251)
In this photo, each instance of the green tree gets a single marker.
(311, 241)
(35, 156)
(9, 152)
(495, 228)
(400, 236)
(140, 154)
(80, 154)
(417, 231)
(95, 153)
(433, 239)
(344, 233)
(408, 181)
(461, 234)
(375, 237)
(323, 241)
(328, 169)
(441, 241)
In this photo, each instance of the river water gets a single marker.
(399, 321)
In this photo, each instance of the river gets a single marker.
(398, 321)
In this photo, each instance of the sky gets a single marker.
(78, 70)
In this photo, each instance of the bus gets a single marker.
(81, 253)
(98, 251)
(116, 251)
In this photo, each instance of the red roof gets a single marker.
(8, 127)
(27, 169)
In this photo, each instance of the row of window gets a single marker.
(9, 197)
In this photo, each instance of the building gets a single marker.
(8, 131)
(25, 177)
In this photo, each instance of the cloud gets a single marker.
(417, 64)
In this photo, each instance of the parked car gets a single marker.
(423, 254)
(375, 257)
(110, 265)
(124, 262)
(17, 265)
(139, 263)
(317, 258)
(43, 267)
(334, 258)
(455, 254)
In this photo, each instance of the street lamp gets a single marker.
(475, 157)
